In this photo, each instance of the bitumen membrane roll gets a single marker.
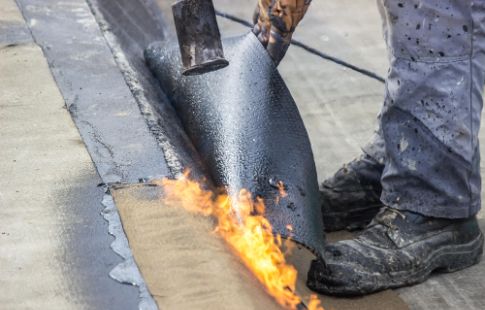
(248, 131)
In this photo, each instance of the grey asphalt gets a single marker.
(54, 247)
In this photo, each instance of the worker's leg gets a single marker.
(431, 114)
(431, 181)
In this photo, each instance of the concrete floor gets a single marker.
(54, 246)
(49, 199)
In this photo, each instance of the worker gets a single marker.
(417, 184)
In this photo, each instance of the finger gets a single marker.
(278, 44)
(263, 23)
(287, 14)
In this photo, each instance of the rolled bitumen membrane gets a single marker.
(248, 131)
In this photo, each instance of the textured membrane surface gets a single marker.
(246, 127)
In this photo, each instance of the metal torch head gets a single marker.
(199, 37)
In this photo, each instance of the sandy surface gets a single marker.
(186, 266)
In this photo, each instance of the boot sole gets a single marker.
(444, 260)
(469, 256)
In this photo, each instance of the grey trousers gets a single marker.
(428, 131)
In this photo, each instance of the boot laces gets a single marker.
(387, 215)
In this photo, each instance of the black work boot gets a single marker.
(351, 198)
(398, 248)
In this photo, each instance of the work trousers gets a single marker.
(427, 138)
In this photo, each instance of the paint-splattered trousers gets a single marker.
(428, 133)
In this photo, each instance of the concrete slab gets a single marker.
(95, 91)
(184, 264)
(110, 123)
(187, 266)
(13, 29)
(54, 249)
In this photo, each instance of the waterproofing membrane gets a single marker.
(247, 129)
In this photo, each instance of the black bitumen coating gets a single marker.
(245, 125)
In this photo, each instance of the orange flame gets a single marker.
(247, 232)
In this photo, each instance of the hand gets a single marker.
(274, 24)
